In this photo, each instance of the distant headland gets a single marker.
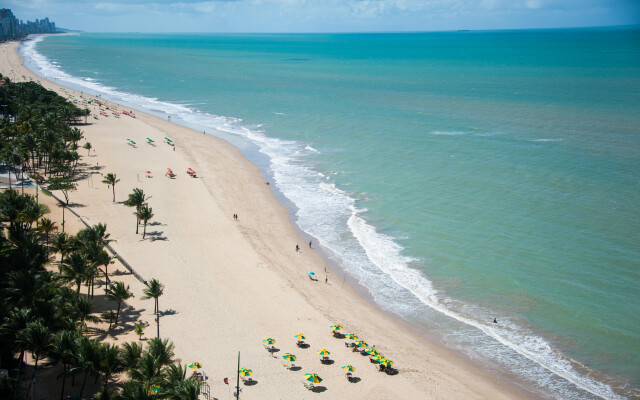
(12, 28)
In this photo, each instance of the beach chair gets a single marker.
(308, 385)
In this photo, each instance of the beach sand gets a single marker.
(230, 284)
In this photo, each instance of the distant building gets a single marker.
(12, 28)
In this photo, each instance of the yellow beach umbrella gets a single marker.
(361, 343)
(269, 340)
(351, 336)
(195, 365)
(312, 378)
(349, 368)
(386, 362)
(153, 389)
(245, 371)
(299, 336)
(289, 357)
(323, 352)
(336, 327)
(371, 351)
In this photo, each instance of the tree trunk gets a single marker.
(114, 193)
(117, 315)
(144, 233)
(84, 380)
(64, 379)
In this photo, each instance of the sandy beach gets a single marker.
(231, 283)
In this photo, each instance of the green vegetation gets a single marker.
(45, 313)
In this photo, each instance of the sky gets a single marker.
(323, 15)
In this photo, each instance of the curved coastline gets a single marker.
(257, 182)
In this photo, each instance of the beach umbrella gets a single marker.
(153, 389)
(336, 327)
(195, 365)
(299, 336)
(245, 371)
(371, 351)
(348, 368)
(323, 352)
(289, 357)
(312, 378)
(361, 343)
(269, 341)
(311, 273)
(351, 336)
(386, 362)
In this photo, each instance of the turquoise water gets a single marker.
(457, 176)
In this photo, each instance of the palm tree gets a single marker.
(153, 290)
(110, 362)
(134, 390)
(75, 269)
(47, 226)
(161, 351)
(38, 340)
(144, 213)
(131, 353)
(188, 389)
(65, 345)
(118, 292)
(82, 311)
(88, 147)
(136, 199)
(87, 359)
(110, 179)
(61, 244)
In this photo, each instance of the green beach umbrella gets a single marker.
(336, 327)
(153, 389)
(150, 141)
(300, 336)
(323, 352)
(371, 351)
(349, 368)
(269, 340)
(245, 371)
(312, 378)
(351, 336)
(289, 357)
(195, 365)
(386, 362)
(361, 343)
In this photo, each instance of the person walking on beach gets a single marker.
(297, 248)
(326, 279)
(309, 243)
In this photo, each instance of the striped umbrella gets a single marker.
(371, 351)
(336, 327)
(323, 352)
(386, 362)
(312, 378)
(300, 336)
(153, 389)
(351, 336)
(361, 343)
(349, 368)
(289, 357)
(245, 371)
(269, 341)
(195, 365)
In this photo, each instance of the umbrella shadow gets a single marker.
(354, 379)
(250, 382)
(319, 389)
(296, 368)
(328, 362)
(156, 235)
(274, 350)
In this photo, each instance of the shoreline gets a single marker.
(254, 239)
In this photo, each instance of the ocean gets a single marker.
(453, 177)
